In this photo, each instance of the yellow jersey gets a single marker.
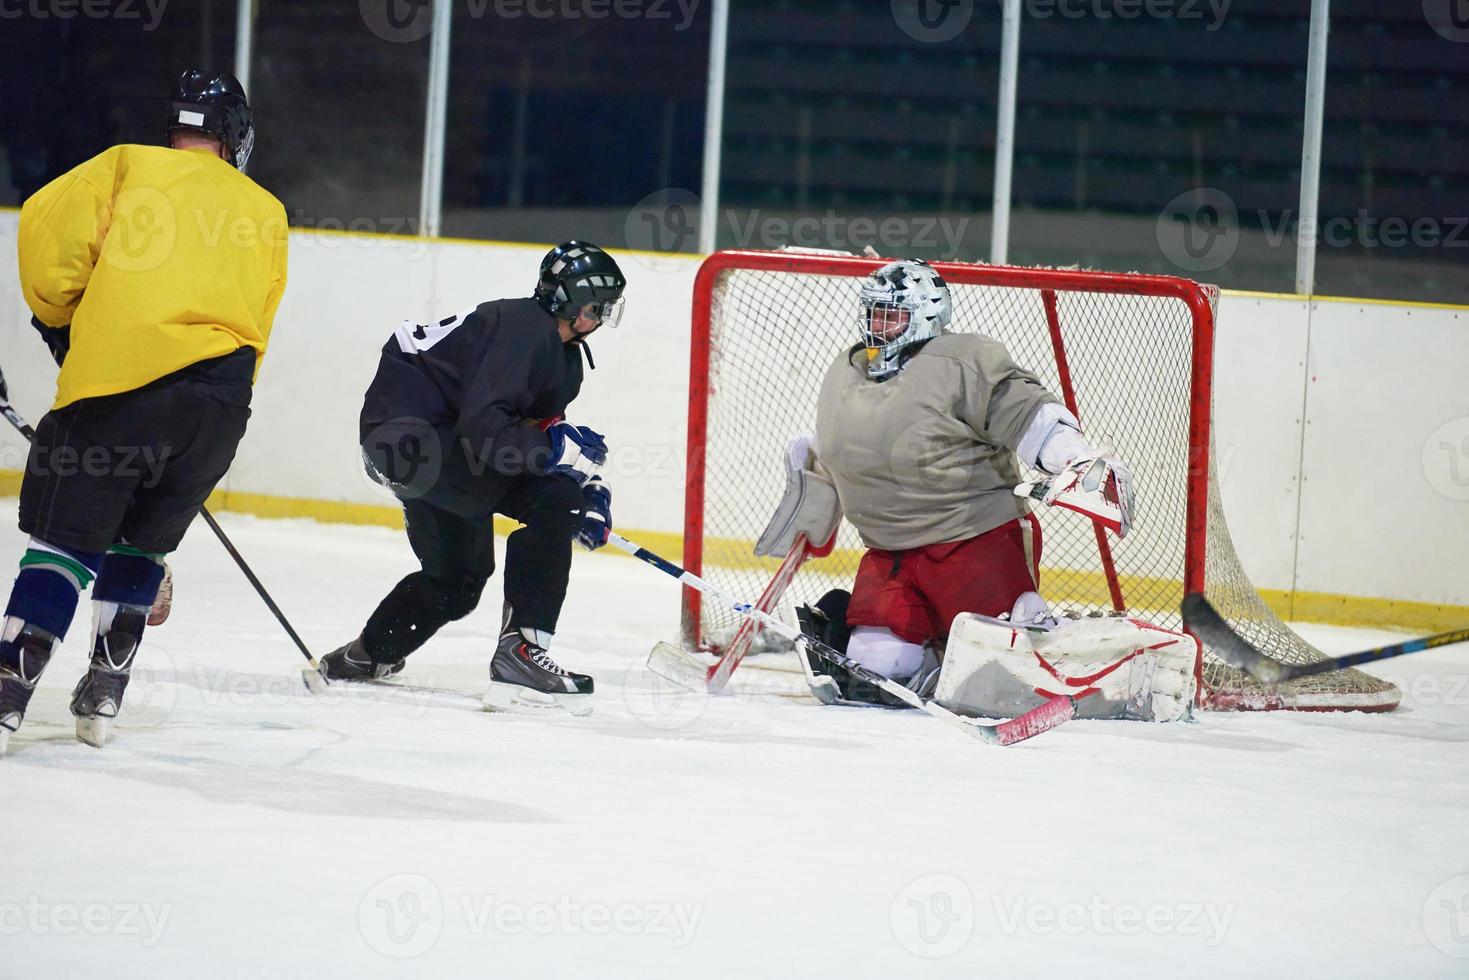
(158, 259)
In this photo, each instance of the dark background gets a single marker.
(559, 127)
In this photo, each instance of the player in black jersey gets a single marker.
(465, 420)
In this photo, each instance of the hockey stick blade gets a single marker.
(675, 664)
(1210, 627)
(1204, 621)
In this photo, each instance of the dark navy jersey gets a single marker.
(493, 373)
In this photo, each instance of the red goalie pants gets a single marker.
(917, 593)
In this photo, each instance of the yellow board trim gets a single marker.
(1311, 607)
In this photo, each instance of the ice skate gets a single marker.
(352, 663)
(523, 675)
(97, 698)
(22, 660)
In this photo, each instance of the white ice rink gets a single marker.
(238, 827)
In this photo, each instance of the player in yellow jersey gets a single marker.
(154, 274)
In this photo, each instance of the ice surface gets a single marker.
(238, 827)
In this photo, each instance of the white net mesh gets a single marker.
(772, 335)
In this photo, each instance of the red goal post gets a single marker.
(1130, 354)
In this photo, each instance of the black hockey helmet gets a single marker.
(576, 274)
(216, 106)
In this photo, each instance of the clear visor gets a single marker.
(608, 314)
(883, 323)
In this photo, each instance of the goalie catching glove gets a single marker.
(1099, 487)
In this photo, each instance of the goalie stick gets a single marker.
(311, 675)
(677, 665)
(1057, 711)
(1204, 621)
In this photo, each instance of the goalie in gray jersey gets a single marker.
(922, 434)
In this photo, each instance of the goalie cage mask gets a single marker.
(905, 287)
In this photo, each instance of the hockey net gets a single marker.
(1131, 354)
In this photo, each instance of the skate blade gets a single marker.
(4, 742)
(679, 666)
(95, 731)
(514, 698)
(315, 681)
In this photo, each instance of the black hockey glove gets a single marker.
(56, 338)
(597, 518)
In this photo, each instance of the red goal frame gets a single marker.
(1195, 297)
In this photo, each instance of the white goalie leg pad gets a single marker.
(809, 505)
(1118, 667)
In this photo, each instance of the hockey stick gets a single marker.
(1204, 621)
(676, 664)
(312, 683)
(1055, 712)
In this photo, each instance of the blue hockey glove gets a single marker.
(598, 518)
(576, 450)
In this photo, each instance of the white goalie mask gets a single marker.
(903, 303)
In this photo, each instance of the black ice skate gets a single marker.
(98, 696)
(831, 683)
(30, 651)
(522, 674)
(352, 663)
